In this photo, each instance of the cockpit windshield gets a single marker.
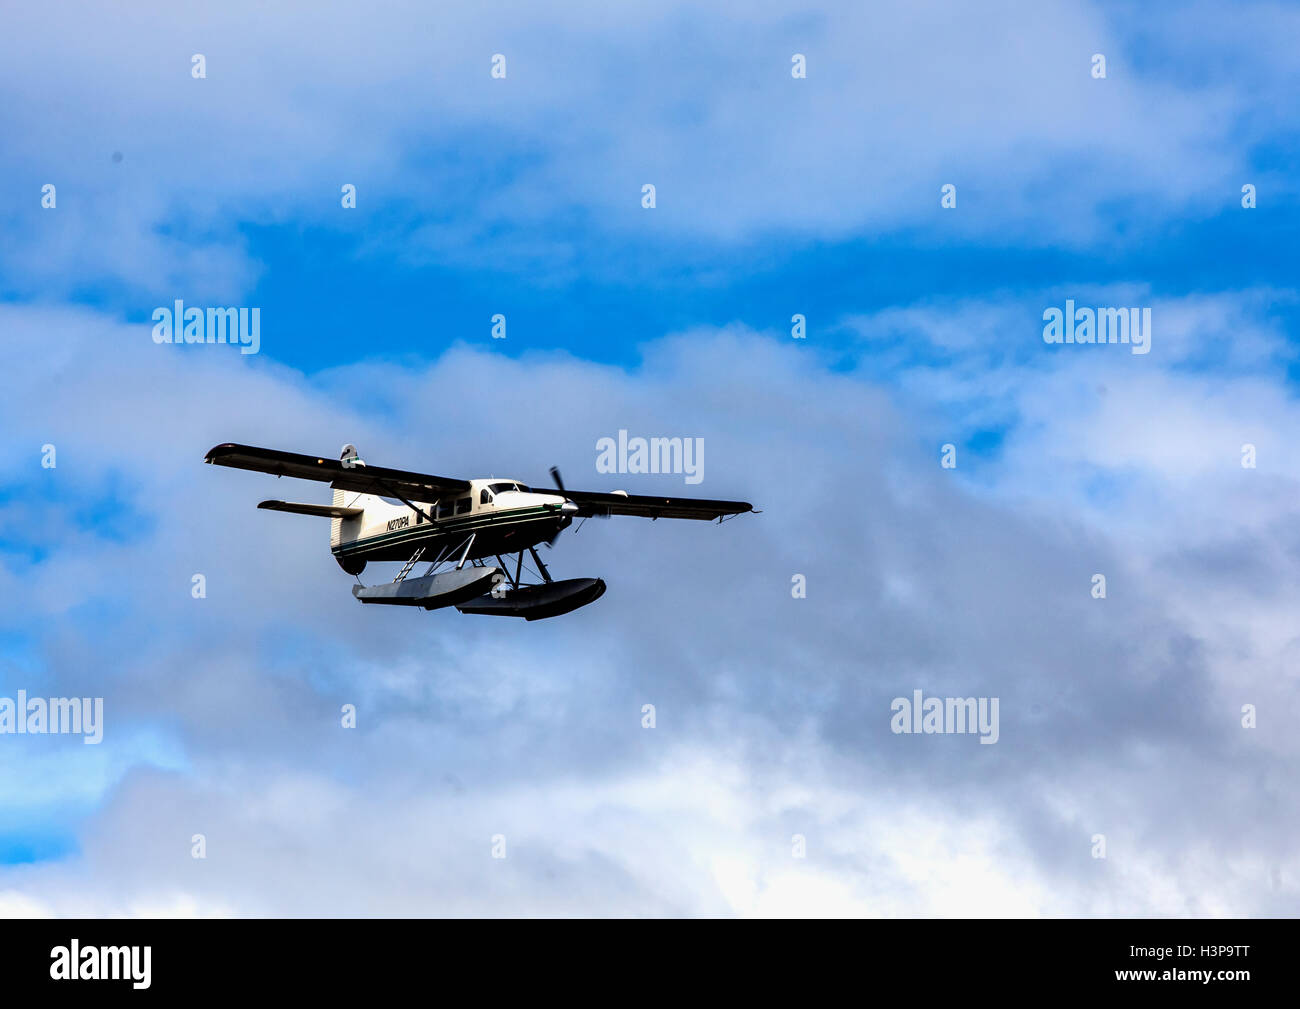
(498, 488)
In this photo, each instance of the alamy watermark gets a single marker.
(1099, 325)
(36, 716)
(75, 962)
(179, 324)
(945, 715)
(651, 455)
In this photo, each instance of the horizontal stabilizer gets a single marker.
(324, 511)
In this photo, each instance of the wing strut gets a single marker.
(393, 492)
(468, 543)
(546, 575)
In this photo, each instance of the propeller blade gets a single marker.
(559, 484)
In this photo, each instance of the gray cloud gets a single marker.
(1119, 716)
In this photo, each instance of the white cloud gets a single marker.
(599, 99)
(1118, 716)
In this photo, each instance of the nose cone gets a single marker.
(568, 508)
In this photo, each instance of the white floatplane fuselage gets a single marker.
(504, 516)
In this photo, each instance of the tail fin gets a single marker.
(350, 457)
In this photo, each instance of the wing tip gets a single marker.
(225, 448)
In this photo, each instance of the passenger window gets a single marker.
(444, 509)
(462, 505)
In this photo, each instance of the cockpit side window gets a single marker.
(485, 497)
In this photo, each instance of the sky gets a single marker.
(943, 484)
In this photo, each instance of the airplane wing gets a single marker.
(645, 506)
(363, 479)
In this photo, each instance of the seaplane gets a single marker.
(382, 514)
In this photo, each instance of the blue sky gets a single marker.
(775, 196)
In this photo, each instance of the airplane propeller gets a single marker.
(559, 483)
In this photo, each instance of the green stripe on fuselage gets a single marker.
(446, 527)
